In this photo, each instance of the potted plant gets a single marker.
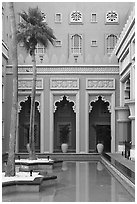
(64, 138)
(100, 145)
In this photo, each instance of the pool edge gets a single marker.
(126, 183)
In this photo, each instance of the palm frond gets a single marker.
(33, 30)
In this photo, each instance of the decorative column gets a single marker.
(132, 82)
(131, 105)
(123, 127)
(122, 94)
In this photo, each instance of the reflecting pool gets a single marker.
(87, 181)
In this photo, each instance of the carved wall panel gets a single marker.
(67, 83)
(26, 83)
(100, 83)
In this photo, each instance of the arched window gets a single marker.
(76, 44)
(111, 42)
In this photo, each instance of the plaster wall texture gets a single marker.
(61, 55)
(89, 30)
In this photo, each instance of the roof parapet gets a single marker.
(126, 29)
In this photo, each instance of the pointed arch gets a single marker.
(109, 96)
(25, 100)
(105, 100)
(61, 99)
(72, 96)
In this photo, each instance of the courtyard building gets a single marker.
(85, 81)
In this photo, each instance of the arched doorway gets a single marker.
(99, 125)
(24, 121)
(64, 115)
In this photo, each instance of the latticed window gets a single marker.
(76, 44)
(40, 49)
(94, 43)
(93, 17)
(45, 18)
(58, 17)
(111, 42)
(58, 43)
(112, 17)
(76, 17)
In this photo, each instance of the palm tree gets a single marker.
(10, 169)
(32, 31)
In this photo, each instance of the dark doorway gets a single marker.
(99, 125)
(65, 115)
(24, 121)
(103, 135)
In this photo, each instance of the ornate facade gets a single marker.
(78, 82)
(125, 52)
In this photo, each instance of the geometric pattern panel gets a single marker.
(92, 83)
(64, 83)
(26, 83)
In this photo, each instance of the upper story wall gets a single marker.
(125, 52)
(93, 30)
(6, 30)
(125, 47)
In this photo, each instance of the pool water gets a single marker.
(87, 181)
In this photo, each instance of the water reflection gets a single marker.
(99, 166)
(78, 182)
(64, 166)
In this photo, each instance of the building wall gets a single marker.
(99, 66)
(125, 52)
(90, 30)
(45, 91)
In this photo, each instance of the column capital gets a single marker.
(123, 113)
(131, 117)
(131, 105)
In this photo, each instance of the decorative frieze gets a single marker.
(100, 83)
(59, 69)
(67, 83)
(26, 83)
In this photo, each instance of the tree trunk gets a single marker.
(10, 169)
(32, 155)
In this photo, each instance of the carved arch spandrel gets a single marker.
(59, 98)
(25, 100)
(95, 98)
